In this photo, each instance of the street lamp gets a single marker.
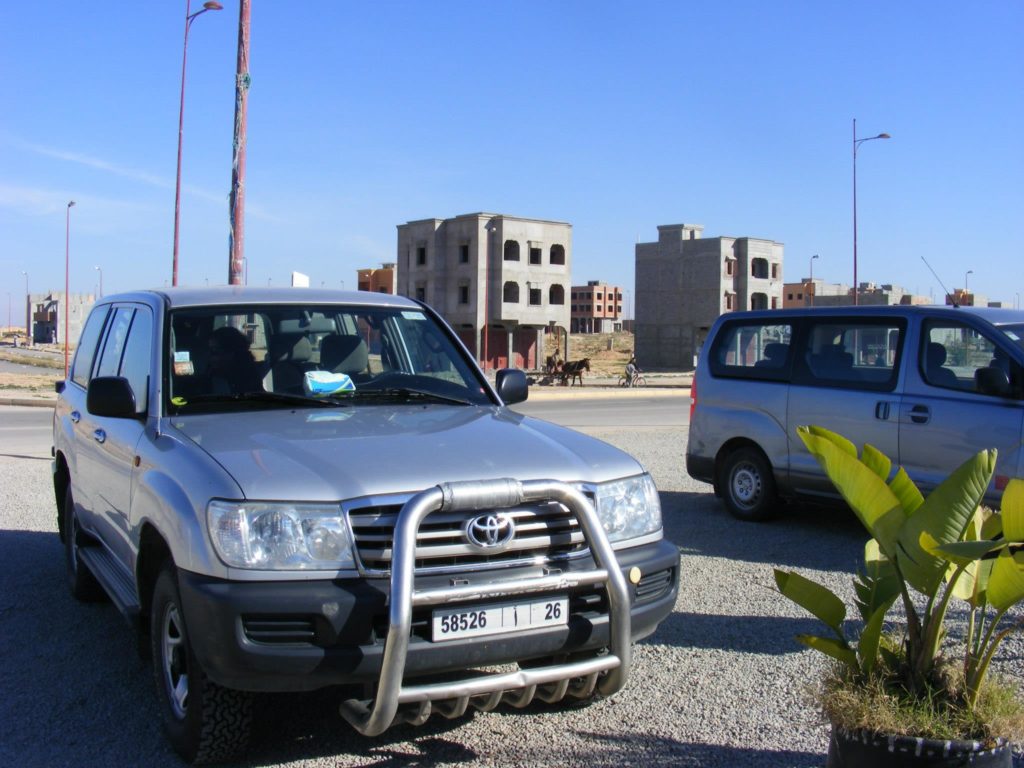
(67, 281)
(98, 269)
(189, 18)
(810, 290)
(856, 143)
(28, 312)
(968, 272)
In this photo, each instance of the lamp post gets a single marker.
(810, 280)
(28, 312)
(67, 281)
(968, 272)
(189, 18)
(100, 270)
(856, 143)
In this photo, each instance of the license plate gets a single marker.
(454, 623)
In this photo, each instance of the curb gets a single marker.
(29, 401)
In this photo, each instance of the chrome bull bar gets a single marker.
(607, 673)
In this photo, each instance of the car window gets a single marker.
(137, 357)
(841, 352)
(113, 347)
(759, 350)
(86, 352)
(297, 351)
(956, 356)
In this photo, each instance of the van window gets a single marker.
(955, 356)
(86, 352)
(754, 349)
(851, 353)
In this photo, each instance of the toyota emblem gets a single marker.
(490, 532)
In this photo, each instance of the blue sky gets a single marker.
(615, 117)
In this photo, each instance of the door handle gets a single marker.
(99, 436)
(75, 417)
(882, 410)
(920, 414)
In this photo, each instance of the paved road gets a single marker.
(669, 410)
(722, 682)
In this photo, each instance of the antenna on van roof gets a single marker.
(951, 296)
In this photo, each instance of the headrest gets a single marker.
(343, 354)
(936, 353)
(290, 347)
(775, 351)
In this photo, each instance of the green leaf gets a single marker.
(813, 598)
(877, 462)
(878, 584)
(1013, 510)
(833, 437)
(960, 552)
(1006, 583)
(867, 648)
(944, 516)
(877, 507)
(834, 648)
(908, 494)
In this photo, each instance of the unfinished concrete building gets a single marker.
(685, 281)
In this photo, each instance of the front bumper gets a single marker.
(300, 636)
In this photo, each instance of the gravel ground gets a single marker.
(720, 684)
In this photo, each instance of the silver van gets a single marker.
(929, 386)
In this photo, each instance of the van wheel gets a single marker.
(748, 485)
(83, 584)
(204, 722)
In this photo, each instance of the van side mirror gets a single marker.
(992, 381)
(111, 396)
(512, 386)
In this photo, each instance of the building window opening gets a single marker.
(463, 294)
(759, 301)
(535, 255)
(510, 293)
(421, 255)
(421, 293)
(556, 295)
(775, 271)
(730, 266)
(511, 250)
(557, 254)
(464, 253)
(729, 301)
(535, 297)
(759, 268)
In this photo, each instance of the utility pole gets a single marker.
(237, 237)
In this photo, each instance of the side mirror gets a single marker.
(111, 396)
(512, 386)
(992, 381)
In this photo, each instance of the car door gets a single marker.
(946, 417)
(126, 352)
(73, 419)
(845, 378)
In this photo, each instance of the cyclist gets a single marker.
(632, 371)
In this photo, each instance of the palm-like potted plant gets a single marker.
(897, 697)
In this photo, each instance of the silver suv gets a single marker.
(928, 386)
(291, 489)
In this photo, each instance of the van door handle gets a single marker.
(920, 414)
(76, 417)
(99, 436)
(882, 410)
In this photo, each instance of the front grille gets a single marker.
(543, 532)
(654, 585)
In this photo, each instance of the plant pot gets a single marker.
(857, 749)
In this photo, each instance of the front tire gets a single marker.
(748, 485)
(204, 722)
(84, 586)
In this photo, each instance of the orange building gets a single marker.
(378, 280)
(596, 308)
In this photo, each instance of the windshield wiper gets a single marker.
(254, 397)
(406, 393)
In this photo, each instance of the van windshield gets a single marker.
(265, 356)
(1014, 333)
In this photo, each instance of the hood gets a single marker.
(362, 450)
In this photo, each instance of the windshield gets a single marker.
(226, 358)
(1014, 333)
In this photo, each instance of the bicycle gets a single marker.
(638, 380)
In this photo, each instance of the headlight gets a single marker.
(629, 508)
(280, 537)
